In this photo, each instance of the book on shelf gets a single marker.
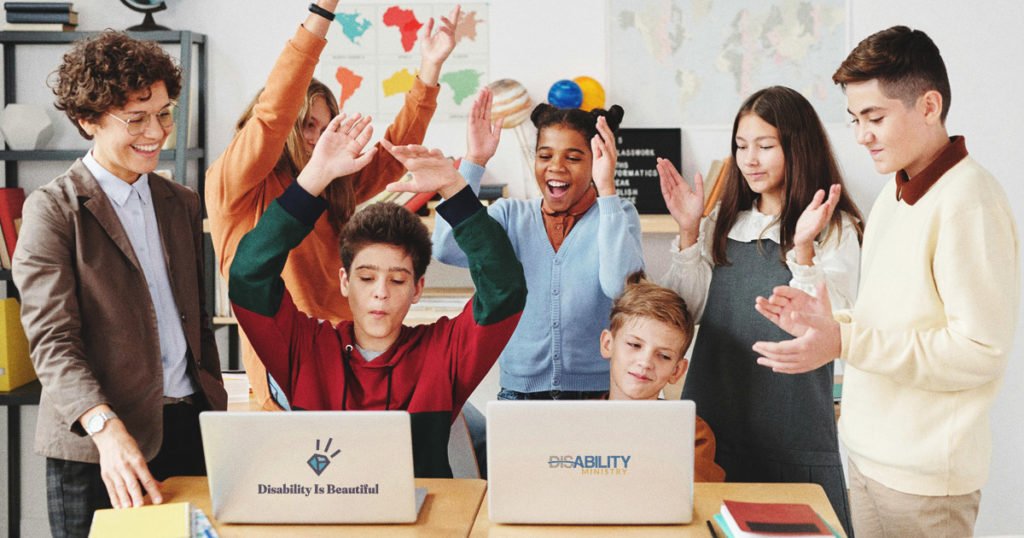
(771, 520)
(39, 27)
(5, 258)
(11, 200)
(43, 17)
(38, 7)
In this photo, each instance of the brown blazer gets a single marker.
(88, 315)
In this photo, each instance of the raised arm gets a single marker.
(618, 232)
(410, 126)
(689, 274)
(476, 337)
(236, 177)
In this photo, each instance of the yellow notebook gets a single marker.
(172, 520)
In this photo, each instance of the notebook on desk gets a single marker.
(310, 467)
(590, 462)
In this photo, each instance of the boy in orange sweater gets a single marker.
(649, 332)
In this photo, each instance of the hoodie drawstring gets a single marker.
(346, 357)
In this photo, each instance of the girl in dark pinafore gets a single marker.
(774, 226)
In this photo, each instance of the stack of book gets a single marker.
(770, 520)
(40, 17)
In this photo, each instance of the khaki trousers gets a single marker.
(878, 511)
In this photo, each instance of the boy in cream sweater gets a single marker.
(927, 340)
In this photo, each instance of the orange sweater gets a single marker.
(704, 467)
(243, 181)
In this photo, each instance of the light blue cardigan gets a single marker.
(556, 345)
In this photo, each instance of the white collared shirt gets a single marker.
(133, 204)
(837, 262)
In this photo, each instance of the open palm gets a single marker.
(436, 46)
(685, 204)
(431, 170)
(814, 219)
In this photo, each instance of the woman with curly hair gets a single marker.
(110, 269)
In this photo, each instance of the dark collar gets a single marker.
(911, 189)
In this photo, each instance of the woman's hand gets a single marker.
(812, 221)
(435, 47)
(338, 152)
(686, 205)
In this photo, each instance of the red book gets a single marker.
(774, 519)
(11, 200)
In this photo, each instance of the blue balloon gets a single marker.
(565, 94)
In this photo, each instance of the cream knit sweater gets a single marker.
(927, 341)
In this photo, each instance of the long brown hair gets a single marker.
(340, 195)
(809, 166)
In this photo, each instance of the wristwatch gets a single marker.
(96, 422)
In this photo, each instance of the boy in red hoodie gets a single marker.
(375, 362)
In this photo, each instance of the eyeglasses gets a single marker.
(137, 122)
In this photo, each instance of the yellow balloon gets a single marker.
(593, 93)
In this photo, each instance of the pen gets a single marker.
(711, 529)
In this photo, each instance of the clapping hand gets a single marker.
(685, 204)
(482, 135)
(812, 221)
(338, 152)
(809, 319)
(431, 171)
(605, 156)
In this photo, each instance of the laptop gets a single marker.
(590, 462)
(310, 466)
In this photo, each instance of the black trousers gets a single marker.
(74, 490)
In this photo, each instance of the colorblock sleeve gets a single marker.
(479, 334)
(44, 270)
(618, 243)
(445, 248)
(262, 305)
(976, 271)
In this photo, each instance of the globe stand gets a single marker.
(148, 25)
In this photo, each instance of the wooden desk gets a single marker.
(707, 501)
(448, 510)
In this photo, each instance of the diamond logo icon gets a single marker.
(318, 462)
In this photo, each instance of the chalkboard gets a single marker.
(636, 173)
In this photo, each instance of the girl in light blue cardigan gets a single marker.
(577, 244)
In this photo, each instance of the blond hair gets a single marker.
(643, 299)
(340, 195)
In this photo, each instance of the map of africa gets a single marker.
(701, 58)
(373, 54)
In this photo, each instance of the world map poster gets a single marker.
(373, 55)
(699, 59)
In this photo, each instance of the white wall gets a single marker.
(540, 41)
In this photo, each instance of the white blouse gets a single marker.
(836, 260)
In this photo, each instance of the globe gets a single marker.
(593, 93)
(565, 94)
(149, 7)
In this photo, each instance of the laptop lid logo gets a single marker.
(592, 463)
(318, 462)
